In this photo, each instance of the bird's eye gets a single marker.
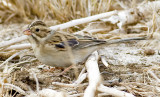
(37, 30)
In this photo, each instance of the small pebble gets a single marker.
(149, 52)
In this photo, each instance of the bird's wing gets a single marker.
(70, 43)
(88, 43)
(75, 42)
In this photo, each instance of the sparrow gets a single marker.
(59, 49)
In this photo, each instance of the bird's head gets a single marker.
(37, 29)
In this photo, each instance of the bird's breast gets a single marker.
(53, 58)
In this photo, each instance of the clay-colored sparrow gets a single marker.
(60, 49)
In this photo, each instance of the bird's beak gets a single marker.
(27, 32)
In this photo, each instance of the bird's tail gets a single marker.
(125, 40)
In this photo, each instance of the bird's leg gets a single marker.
(65, 70)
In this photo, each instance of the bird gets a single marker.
(58, 49)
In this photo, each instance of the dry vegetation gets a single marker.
(59, 10)
(131, 68)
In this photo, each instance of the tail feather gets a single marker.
(126, 40)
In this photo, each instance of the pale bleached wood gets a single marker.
(19, 46)
(93, 75)
(95, 80)
(83, 20)
(11, 86)
(12, 41)
(36, 79)
(113, 91)
(104, 61)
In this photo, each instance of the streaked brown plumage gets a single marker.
(54, 48)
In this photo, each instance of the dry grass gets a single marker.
(60, 10)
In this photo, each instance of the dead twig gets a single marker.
(10, 58)
(12, 41)
(83, 20)
(93, 75)
(116, 93)
(11, 86)
(19, 46)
